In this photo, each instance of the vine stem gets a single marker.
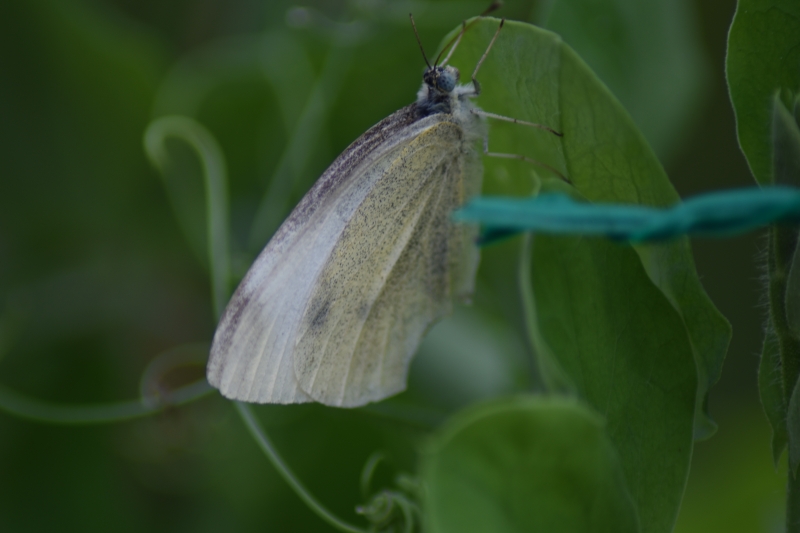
(272, 454)
(216, 187)
(215, 177)
(32, 409)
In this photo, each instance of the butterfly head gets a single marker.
(438, 90)
(441, 80)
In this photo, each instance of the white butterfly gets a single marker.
(335, 306)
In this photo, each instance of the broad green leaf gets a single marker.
(554, 375)
(530, 74)
(763, 58)
(649, 55)
(626, 349)
(525, 464)
(613, 163)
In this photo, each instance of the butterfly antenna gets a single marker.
(483, 57)
(453, 47)
(453, 44)
(418, 41)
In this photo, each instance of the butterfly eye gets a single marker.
(446, 79)
(446, 82)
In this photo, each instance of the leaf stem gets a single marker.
(783, 241)
(283, 469)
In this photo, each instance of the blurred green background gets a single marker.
(98, 275)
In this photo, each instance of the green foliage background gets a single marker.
(98, 275)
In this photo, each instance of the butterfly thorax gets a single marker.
(439, 92)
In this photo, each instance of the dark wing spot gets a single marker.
(321, 315)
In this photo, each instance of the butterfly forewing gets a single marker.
(253, 353)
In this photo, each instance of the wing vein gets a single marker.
(261, 358)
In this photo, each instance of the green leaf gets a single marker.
(763, 57)
(530, 74)
(554, 375)
(525, 464)
(786, 141)
(616, 165)
(649, 55)
(627, 352)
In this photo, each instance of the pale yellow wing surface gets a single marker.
(252, 356)
(393, 272)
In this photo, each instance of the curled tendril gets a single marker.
(152, 390)
(390, 510)
(153, 398)
(216, 188)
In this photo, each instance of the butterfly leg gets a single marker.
(486, 152)
(497, 4)
(477, 89)
(475, 84)
(482, 113)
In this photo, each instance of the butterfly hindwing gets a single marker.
(390, 276)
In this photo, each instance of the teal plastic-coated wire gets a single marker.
(716, 214)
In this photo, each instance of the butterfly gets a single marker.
(335, 306)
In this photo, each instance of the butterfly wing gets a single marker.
(392, 273)
(251, 355)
